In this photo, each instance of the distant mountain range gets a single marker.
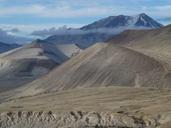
(103, 30)
(6, 47)
(99, 31)
(82, 40)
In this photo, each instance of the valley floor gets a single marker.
(120, 107)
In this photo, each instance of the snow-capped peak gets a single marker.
(139, 21)
(146, 21)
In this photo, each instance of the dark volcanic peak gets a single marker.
(145, 20)
(36, 43)
(109, 22)
(141, 20)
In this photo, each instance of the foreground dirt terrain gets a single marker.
(117, 107)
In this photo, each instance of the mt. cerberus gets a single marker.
(129, 22)
(104, 29)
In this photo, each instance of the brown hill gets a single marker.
(25, 64)
(154, 43)
(134, 58)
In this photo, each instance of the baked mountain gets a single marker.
(29, 62)
(6, 47)
(103, 30)
(136, 58)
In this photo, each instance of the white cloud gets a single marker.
(64, 11)
(19, 10)
(24, 34)
(7, 37)
(32, 27)
(82, 8)
(161, 11)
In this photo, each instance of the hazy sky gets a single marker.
(28, 15)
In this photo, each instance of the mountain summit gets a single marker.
(139, 21)
(146, 21)
(104, 29)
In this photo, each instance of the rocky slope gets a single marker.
(72, 120)
(115, 107)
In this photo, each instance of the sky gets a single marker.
(22, 17)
